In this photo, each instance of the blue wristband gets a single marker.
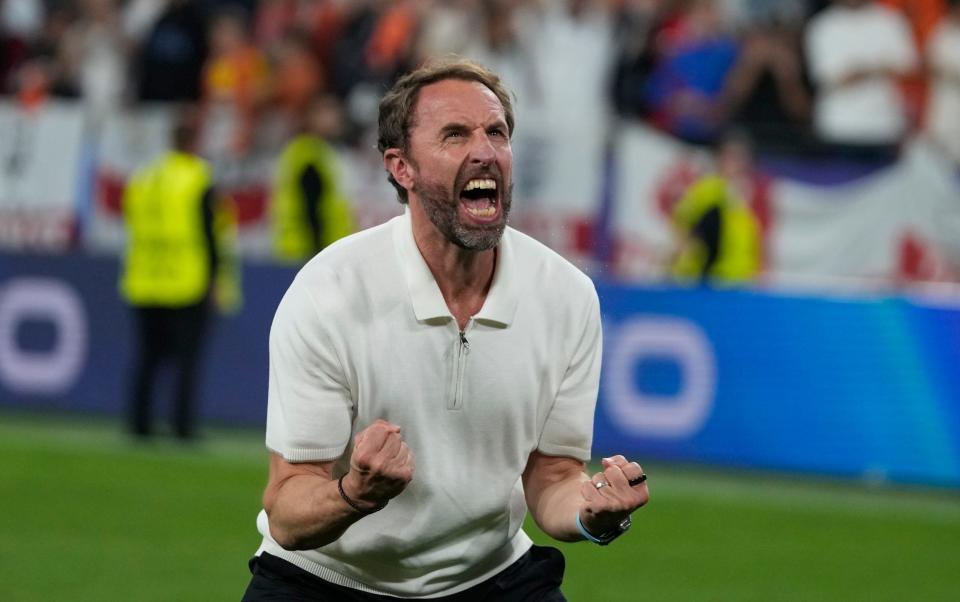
(586, 534)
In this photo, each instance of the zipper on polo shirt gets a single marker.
(460, 353)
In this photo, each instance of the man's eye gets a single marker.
(497, 132)
(452, 134)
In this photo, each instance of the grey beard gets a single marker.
(442, 211)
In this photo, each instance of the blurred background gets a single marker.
(766, 192)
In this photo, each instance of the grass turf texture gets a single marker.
(88, 515)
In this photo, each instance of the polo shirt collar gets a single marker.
(428, 304)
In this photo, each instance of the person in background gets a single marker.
(856, 51)
(720, 237)
(298, 75)
(432, 379)
(21, 23)
(308, 208)
(694, 56)
(178, 263)
(236, 84)
(766, 93)
(95, 50)
(171, 54)
(943, 58)
(923, 17)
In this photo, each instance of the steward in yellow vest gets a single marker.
(308, 210)
(179, 244)
(171, 252)
(721, 238)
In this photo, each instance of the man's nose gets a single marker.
(482, 150)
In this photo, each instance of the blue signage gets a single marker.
(867, 387)
(857, 387)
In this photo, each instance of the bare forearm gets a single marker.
(307, 512)
(559, 494)
(556, 507)
(304, 502)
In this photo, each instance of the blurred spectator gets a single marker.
(297, 72)
(139, 17)
(95, 51)
(573, 32)
(694, 55)
(442, 28)
(357, 22)
(943, 56)
(274, 18)
(923, 16)
(719, 236)
(375, 42)
(176, 265)
(21, 22)
(502, 47)
(236, 84)
(308, 208)
(856, 51)
(323, 20)
(46, 70)
(392, 43)
(173, 53)
(766, 92)
(637, 22)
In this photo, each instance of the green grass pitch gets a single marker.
(87, 515)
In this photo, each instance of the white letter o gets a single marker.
(53, 371)
(674, 416)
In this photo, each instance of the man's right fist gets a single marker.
(381, 465)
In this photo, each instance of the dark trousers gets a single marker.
(535, 577)
(173, 334)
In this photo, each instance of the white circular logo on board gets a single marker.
(50, 371)
(678, 415)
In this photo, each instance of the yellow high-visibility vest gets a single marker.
(292, 238)
(740, 255)
(167, 261)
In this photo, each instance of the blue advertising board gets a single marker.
(855, 386)
(866, 387)
(66, 340)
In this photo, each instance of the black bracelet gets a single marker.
(353, 504)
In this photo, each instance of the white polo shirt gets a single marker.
(364, 333)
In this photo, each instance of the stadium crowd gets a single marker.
(794, 73)
(845, 81)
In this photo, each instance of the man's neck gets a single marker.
(464, 276)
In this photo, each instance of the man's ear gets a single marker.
(399, 167)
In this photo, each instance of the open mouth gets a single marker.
(479, 198)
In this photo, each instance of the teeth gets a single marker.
(489, 211)
(487, 184)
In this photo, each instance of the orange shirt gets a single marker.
(298, 77)
(241, 77)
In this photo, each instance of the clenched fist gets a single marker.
(608, 497)
(381, 466)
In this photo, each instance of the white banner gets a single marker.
(899, 224)
(40, 159)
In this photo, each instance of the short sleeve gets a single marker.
(568, 430)
(309, 406)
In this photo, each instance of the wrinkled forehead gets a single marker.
(456, 101)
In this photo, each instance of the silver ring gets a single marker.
(601, 484)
